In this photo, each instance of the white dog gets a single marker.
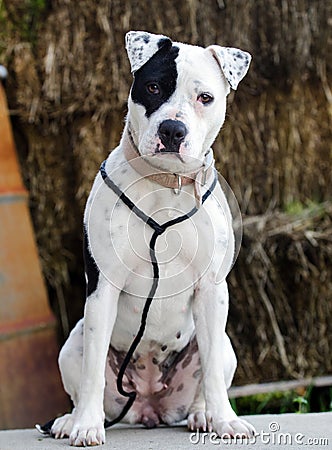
(157, 228)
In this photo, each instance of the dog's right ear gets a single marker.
(141, 46)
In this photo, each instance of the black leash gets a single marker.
(159, 229)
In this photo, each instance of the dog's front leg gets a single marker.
(99, 317)
(210, 309)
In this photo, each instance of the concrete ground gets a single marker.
(286, 431)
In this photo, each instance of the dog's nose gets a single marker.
(172, 133)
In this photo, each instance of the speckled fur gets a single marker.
(184, 362)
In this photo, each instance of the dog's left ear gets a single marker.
(141, 46)
(233, 62)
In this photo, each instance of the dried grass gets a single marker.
(281, 292)
(68, 85)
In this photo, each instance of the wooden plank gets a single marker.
(31, 388)
(278, 386)
(10, 176)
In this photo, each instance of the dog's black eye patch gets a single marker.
(160, 71)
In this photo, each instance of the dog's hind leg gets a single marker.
(197, 418)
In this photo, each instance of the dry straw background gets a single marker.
(68, 83)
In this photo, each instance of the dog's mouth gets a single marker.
(173, 162)
(169, 151)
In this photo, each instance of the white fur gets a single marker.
(190, 255)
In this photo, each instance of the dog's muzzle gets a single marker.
(175, 181)
(172, 133)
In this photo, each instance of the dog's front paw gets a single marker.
(230, 428)
(87, 433)
(62, 426)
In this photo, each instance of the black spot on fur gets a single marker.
(187, 361)
(197, 373)
(160, 69)
(91, 268)
(181, 412)
(180, 387)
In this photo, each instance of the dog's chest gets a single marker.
(187, 253)
(179, 253)
(120, 240)
(184, 252)
(186, 256)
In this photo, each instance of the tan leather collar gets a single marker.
(170, 180)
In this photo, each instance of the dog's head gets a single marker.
(177, 102)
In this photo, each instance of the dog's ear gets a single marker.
(141, 46)
(233, 62)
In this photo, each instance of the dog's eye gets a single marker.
(153, 88)
(205, 98)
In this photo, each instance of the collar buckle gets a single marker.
(204, 176)
(177, 190)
